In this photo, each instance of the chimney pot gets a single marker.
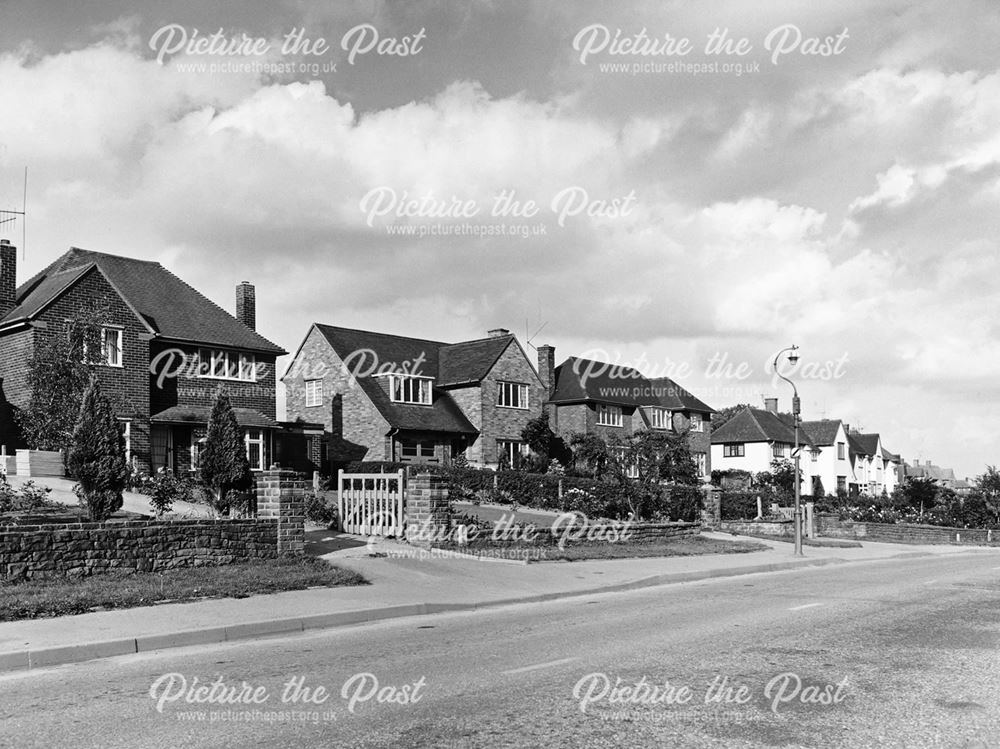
(246, 304)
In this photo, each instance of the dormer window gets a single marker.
(609, 416)
(410, 389)
(660, 418)
(218, 364)
(697, 425)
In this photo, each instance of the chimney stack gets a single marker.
(8, 276)
(771, 405)
(497, 332)
(246, 304)
(546, 368)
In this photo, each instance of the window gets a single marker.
(510, 452)
(697, 425)
(197, 444)
(841, 483)
(701, 462)
(125, 427)
(416, 450)
(733, 450)
(779, 450)
(631, 468)
(314, 393)
(111, 346)
(660, 418)
(814, 454)
(409, 389)
(512, 395)
(227, 365)
(840, 451)
(255, 449)
(609, 416)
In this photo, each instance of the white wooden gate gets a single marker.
(371, 504)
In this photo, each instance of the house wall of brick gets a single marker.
(470, 400)
(355, 429)
(498, 422)
(173, 380)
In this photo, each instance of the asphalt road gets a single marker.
(900, 653)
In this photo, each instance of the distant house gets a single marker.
(875, 468)
(753, 437)
(833, 464)
(165, 350)
(383, 397)
(614, 402)
(944, 477)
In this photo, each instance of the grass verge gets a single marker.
(678, 547)
(34, 599)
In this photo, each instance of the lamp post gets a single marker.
(793, 357)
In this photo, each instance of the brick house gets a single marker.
(384, 397)
(165, 351)
(614, 402)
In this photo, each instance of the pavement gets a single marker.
(404, 582)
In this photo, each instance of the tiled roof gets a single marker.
(757, 425)
(411, 355)
(470, 361)
(169, 307)
(586, 380)
(868, 443)
(822, 432)
(245, 417)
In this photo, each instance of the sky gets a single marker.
(687, 188)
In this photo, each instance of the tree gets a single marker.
(59, 372)
(590, 450)
(988, 487)
(781, 477)
(97, 455)
(920, 493)
(545, 443)
(648, 461)
(223, 463)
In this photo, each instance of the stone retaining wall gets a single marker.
(29, 551)
(84, 548)
(759, 527)
(831, 525)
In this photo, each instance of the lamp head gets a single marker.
(793, 357)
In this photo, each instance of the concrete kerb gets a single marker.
(45, 657)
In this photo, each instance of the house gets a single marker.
(875, 468)
(833, 465)
(383, 397)
(614, 402)
(165, 350)
(753, 437)
(944, 477)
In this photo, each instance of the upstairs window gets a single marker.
(660, 418)
(111, 346)
(314, 393)
(410, 389)
(733, 450)
(697, 425)
(512, 395)
(840, 451)
(218, 364)
(780, 450)
(609, 416)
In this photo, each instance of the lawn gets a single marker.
(676, 547)
(120, 590)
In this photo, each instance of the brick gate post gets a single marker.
(281, 497)
(428, 511)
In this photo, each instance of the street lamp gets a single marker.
(793, 357)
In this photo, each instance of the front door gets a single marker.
(161, 444)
